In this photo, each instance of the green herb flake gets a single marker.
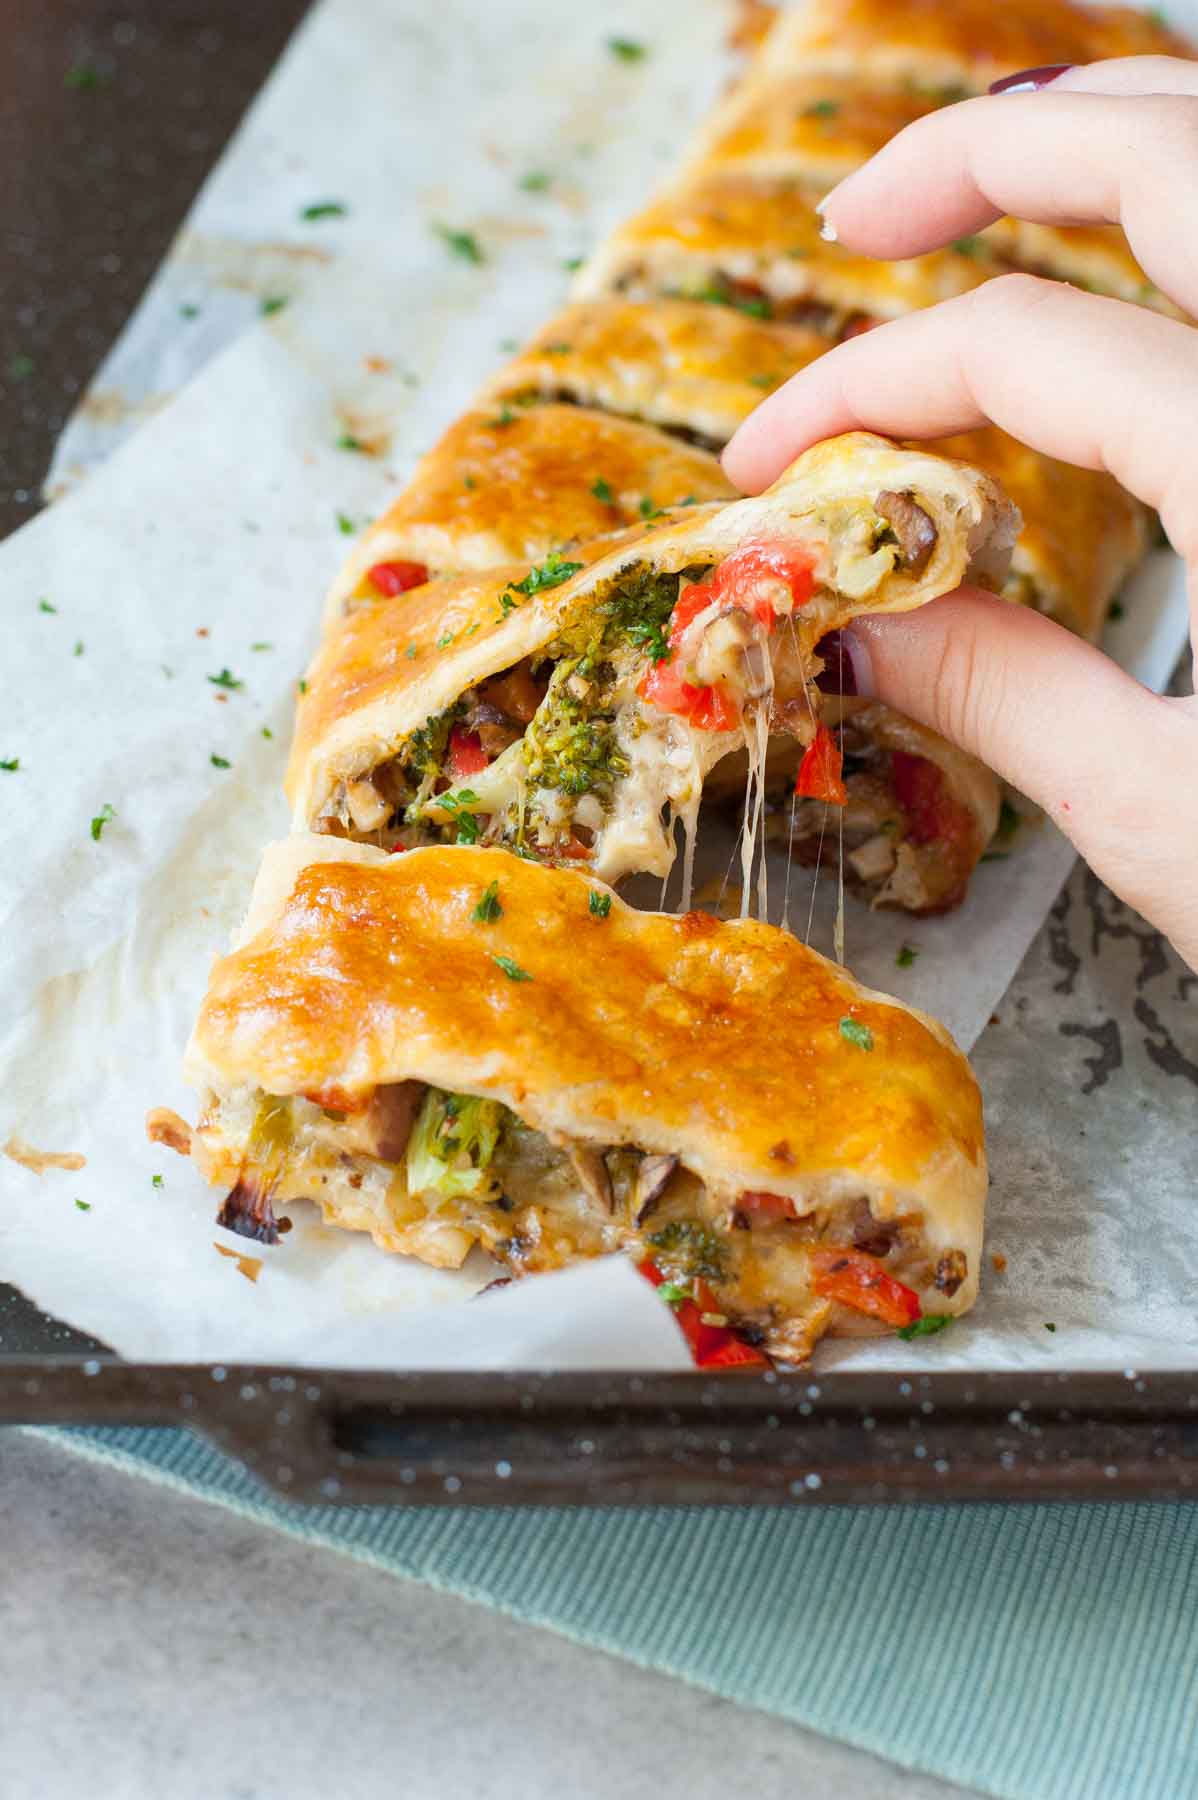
(84, 77)
(457, 806)
(219, 762)
(648, 508)
(821, 109)
(83, 1205)
(271, 304)
(651, 637)
(854, 1032)
(602, 491)
(469, 483)
(301, 685)
(927, 1326)
(1158, 17)
(167, 671)
(157, 1181)
(1048, 1326)
(460, 243)
(627, 49)
(347, 441)
(599, 905)
(345, 524)
(78, 650)
(1115, 610)
(20, 367)
(488, 908)
(267, 732)
(226, 679)
(969, 246)
(10, 764)
(410, 651)
(189, 311)
(535, 181)
(323, 209)
(504, 417)
(511, 969)
(444, 641)
(571, 263)
(674, 1293)
(45, 607)
(557, 349)
(262, 644)
(105, 816)
(905, 956)
(549, 574)
(764, 381)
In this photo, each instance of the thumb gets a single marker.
(1115, 766)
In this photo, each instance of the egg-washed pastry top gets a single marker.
(966, 44)
(571, 710)
(455, 1047)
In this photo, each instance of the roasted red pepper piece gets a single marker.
(711, 1346)
(766, 1206)
(391, 578)
(465, 755)
(839, 1272)
(820, 772)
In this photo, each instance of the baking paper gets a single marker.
(159, 616)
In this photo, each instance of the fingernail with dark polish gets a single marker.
(846, 664)
(1029, 81)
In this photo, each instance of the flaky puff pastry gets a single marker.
(509, 484)
(758, 245)
(762, 1067)
(389, 667)
(939, 44)
(684, 365)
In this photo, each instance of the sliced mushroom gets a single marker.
(912, 527)
(734, 648)
(247, 1210)
(389, 1118)
(591, 1171)
(951, 1271)
(652, 1179)
(366, 807)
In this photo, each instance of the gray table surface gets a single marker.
(156, 1645)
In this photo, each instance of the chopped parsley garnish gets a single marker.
(460, 243)
(969, 246)
(262, 644)
(272, 303)
(10, 764)
(651, 637)
(458, 805)
(345, 524)
(602, 490)
(674, 1293)
(598, 904)
(410, 651)
(505, 416)
(627, 49)
(757, 306)
(536, 181)
(83, 1205)
(267, 732)
(905, 956)
(570, 263)
(648, 508)
(444, 641)
(557, 349)
(822, 109)
(45, 606)
(488, 908)
(1048, 1326)
(927, 1326)
(78, 650)
(511, 969)
(85, 78)
(219, 762)
(105, 816)
(301, 685)
(347, 441)
(855, 1033)
(324, 209)
(20, 367)
(226, 679)
(189, 311)
(696, 1248)
(469, 483)
(156, 1181)
(764, 381)
(550, 574)
(720, 293)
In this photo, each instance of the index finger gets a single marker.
(1095, 382)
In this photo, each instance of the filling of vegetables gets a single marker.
(417, 1154)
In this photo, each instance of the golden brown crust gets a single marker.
(680, 364)
(971, 42)
(767, 235)
(718, 1042)
(1082, 533)
(510, 484)
(389, 667)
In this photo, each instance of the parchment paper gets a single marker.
(213, 531)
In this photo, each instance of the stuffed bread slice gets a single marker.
(571, 711)
(455, 1047)
(510, 484)
(814, 129)
(966, 44)
(757, 246)
(697, 371)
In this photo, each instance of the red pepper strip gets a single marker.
(466, 754)
(337, 1099)
(923, 793)
(766, 1206)
(391, 578)
(820, 776)
(860, 1281)
(711, 1346)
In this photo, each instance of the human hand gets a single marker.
(1096, 382)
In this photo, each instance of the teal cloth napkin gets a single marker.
(1036, 1653)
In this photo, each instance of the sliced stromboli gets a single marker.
(814, 129)
(812, 1152)
(691, 368)
(571, 712)
(756, 245)
(511, 483)
(963, 46)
